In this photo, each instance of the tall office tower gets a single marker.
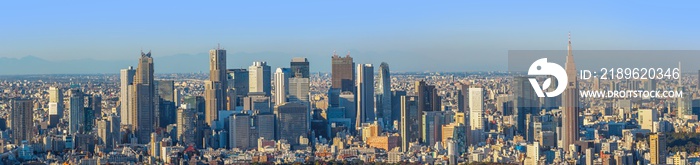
(365, 94)
(396, 105)
(95, 103)
(292, 119)
(239, 130)
(476, 113)
(657, 147)
(144, 98)
(56, 106)
(92, 111)
(431, 126)
(22, 116)
(281, 85)
(186, 124)
(299, 89)
(215, 89)
(463, 98)
(347, 99)
(570, 103)
(166, 102)
(265, 125)
(646, 118)
(342, 72)
(76, 106)
(526, 102)
(259, 78)
(409, 129)
(384, 95)
(299, 67)
(238, 80)
(126, 79)
(428, 99)
(108, 131)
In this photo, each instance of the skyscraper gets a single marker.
(239, 130)
(143, 97)
(657, 148)
(126, 78)
(22, 116)
(409, 129)
(476, 112)
(215, 89)
(298, 89)
(238, 80)
(570, 103)
(299, 67)
(428, 99)
(365, 94)
(56, 106)
(292, 122)
(384, 109)
(343, 72)
(77, 111)
(281, 85)
(259, 78)
(186, 124)
(166, 102)
(526, 102)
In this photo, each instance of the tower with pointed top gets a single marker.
(570, 102)
(143, 96)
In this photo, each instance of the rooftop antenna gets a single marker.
(334, 54)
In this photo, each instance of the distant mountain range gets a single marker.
(180, 63)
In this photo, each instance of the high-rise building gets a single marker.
(126, 78)
(258, 103)
(396, 104)
(238, 80)
(299, 89)
(265, 125)
(365, 94)
(299, 67)
(281, 85)
(347, 100)
(186, 124)
(239, 130)
(526, 102)
(215, 89)
(56, 105)
(409, 128)
(646, 118)
(259, 78)
(657, 148)
(143, 97)
(463, 98)
(22, 117)
(384, 106)
(108, 131)
(166, 102)
(76, 110)
(476, 113)
(428, 99)
(292, 122)
(343, 72)
(570, 103)
(431, 126)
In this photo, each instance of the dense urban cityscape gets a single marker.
(357, 113)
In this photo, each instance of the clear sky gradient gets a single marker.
(409, 35)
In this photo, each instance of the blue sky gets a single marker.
(409, 35)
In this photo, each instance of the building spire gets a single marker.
(570, 55)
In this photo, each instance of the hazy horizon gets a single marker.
(411, 36)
